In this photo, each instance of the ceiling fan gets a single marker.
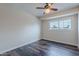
(48, 8)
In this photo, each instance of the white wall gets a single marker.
(63, 36)
(17, 28)
(78, 29)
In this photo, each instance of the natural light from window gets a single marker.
(60, 24)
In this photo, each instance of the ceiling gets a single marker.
(31, 7)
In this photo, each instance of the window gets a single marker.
(67, 24)
(60, 24)
(54, 25)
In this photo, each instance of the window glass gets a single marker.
(54, 25)
(67, 24)
(60, 24)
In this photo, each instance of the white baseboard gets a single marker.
(62, 42)
(16, 47)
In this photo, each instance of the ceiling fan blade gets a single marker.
(54, 9)
(40, 8)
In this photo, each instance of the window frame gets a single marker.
(59, 20)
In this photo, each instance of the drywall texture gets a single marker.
(17, 28)
(63, 36)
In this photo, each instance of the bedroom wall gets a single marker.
(62, 36)
(17, 28)
(78, 29)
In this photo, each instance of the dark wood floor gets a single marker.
(44, 48)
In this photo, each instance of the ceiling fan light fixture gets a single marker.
(47, 11)
(48, 7)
